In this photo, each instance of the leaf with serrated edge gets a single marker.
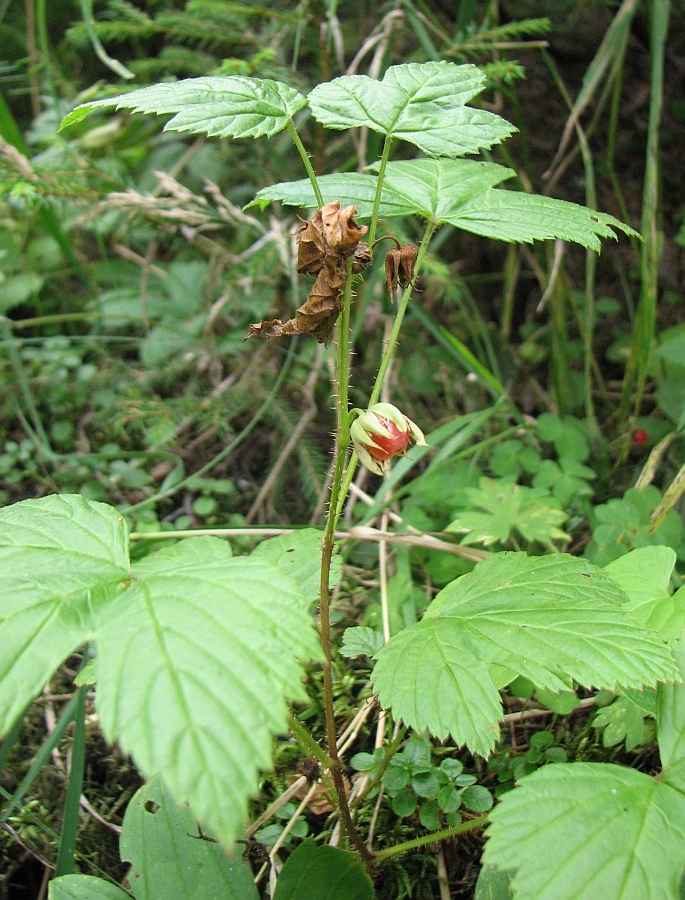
(160, 840)
(523, 218)
(645, 574)
(61, 558)
(436, 187)
(670, 717)
(429, 678)
(350, 188)
(298, 555)
(195, 664)
(422, 103)
(360, 641)
(220, 106)
(553, 619)
(585, 830)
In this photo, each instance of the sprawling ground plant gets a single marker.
(198, 654)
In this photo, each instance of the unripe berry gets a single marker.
(381, 433)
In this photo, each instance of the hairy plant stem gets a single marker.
(385, 361)
(343, 440)
(305, 159)
(431, 838)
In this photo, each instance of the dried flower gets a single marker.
(381, 433)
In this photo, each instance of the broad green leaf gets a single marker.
(586, 830)
(422, 103)
(645, 575)
(61, 559)
(170, 859)
(220, 106)
(517, 217)
(493, 884)
(557, 616)
(350, 188)
(644, 699)
(458, 192)
(436, 187)
(551, 619)
(195, 664)
(298, 555)
(360, 641)
(323, 873)
(670, 718)
(84, 887)
(428, 677)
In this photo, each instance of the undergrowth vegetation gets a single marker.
(341, 478)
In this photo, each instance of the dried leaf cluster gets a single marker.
(324, 244)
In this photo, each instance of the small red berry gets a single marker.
(640, 436)
(386, 447)
(380, 433)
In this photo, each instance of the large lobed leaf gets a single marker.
(61, 559)
(458, 192)
(645, 574)
(422, 103)
(586, 830)
(552, 619)
(197, 652)
(195, 663)
(220, 106)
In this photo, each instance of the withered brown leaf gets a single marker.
(330, 236)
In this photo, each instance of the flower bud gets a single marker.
(381, 433)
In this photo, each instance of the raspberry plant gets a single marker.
(198, 653)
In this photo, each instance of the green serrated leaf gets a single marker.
(168, 858)
(518, 217)
(195, 664)
(670, 716)
(507, 507)
(360, 641)
(645, 575)
(477, 798)
(552, 619)
(493, 884)
(621, 720)
(84, 887)
(61, 559)
(436, 187)
(585, 830)
(559, 617)
(432, 681)
(422, 103)
(298, 555)
(221, 106)
(350, 188)
(323, 873)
